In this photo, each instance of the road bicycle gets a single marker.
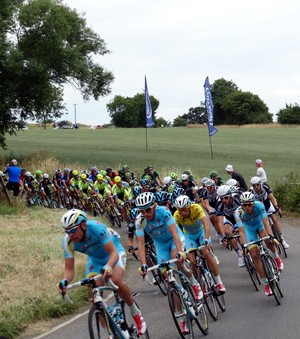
(112, 213)
(249, 264)
(107, 321)
(270, 268)
(208, 284)
(182, 302)
(277, 235)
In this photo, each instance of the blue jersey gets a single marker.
(97, 235)
(158, 228)
(251, 220)
(13, 173)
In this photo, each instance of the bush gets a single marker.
(287, 192)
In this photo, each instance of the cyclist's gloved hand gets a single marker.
(207, 242)
(181, 256)
(107, 272)
(62, 286)
(143, 270)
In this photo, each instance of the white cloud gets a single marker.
(178, 43)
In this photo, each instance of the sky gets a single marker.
(178, 43)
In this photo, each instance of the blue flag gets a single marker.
(149, 117)
(209, 108)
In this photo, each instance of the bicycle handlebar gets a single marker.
(257, 241)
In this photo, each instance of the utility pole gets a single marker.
(75, 113)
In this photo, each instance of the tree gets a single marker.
(219, 90)
(241, 108)
(289, 115)
(130, 112)
(180, 121)
(44, 45)
(161, 122)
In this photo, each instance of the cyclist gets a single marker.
(189, 186)
(74, 188)
(121, 194)
(149, 185)
(225, 207)
(105, 254)
(159, 224)
(29, 186)
(263, 193)
(235, 186)
(103, 190)
(93, 174)
(252, 220)
(216, 178)
(196, 230)
(38, 175)
(163, 198)
(154, 175)
(59, 185)
(45, 188)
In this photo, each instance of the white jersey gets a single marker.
(261, 173)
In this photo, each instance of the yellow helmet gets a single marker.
(83, 176)
(99, 176)
(117, 179)
(75, 172)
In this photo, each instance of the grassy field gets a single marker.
(169, 149)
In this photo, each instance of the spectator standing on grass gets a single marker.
(260, 172)
(237, 176)
(14, 173)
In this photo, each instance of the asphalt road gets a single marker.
(249, 314)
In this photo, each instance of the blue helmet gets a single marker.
(137, 190)
(178, 191)
(162, 197)
(145, 182)
(134, 213)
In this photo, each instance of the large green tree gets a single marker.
(242, 108)
(289, 115)
(43, 46)
(130, 111)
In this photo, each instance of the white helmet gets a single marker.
(167, 180)
(246, 198)
(209, 183)
(46, 176)
(223, 190)
(204, 180)
(185, 177)
(28, 174)
(255, 180)
(72, 218)
(231, 182)
(145, 200)
(182, 201)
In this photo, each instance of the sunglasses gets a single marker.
(247, 205)
(72, 231)
(225, 198)
(146, 210)
(256, 185)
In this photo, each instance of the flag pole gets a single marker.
(146, 140)
(210, 113)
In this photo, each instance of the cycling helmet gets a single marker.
(84, 172)
(99, 176)
(246, 198)
(178, 191)
(125, 167)
(67, 170)
(75, 172)
(213, 174)
(145, 182)
(255, 180)
(173, 175)
(128, 175)
(167, 180)
(182, 201)
(137, 191)
(58, 171)
(204, 180)
(171, 188)
(28, 174)
(72, 218)
(93, 168)
(210, 183)
(231, 182)
(46, 176)
(185, 177)
(109, 170)
(83, 176)
(103, 172)
(162, 197)
(147, 176)
(186, 172)
(223, 191)
(134, 213)
(38, 172)
(145, 200)
(117, 179)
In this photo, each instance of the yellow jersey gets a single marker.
(193, 223)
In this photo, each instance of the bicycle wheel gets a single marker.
(207, 285)
(132, 329)
(277, 274)
(157, 275)
(200, 318)
(269, 272)
(103, 330)
(280, 247)
(182, 315)
(219, 297)
(252, 271)
(116, 217)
